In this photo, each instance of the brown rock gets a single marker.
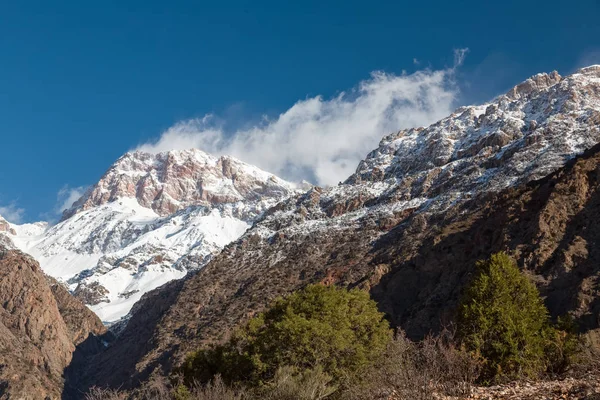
(171, 181)
(5, 226)
(36, 340)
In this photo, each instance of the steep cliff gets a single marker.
(39, 329)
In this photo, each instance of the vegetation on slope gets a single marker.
(328, 342)
(338, 331)
(503, 318)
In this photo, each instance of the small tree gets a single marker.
(338, 330)
(503, 318)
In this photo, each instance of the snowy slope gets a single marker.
(523, 135)
(149, 220)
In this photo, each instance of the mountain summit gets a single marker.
(171, 181)
(150, 219)
(522, 135)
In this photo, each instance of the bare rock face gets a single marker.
(36, 342)
(31, 310)
(171, 181)
(5, 226)
(535, 83)
(80, 320)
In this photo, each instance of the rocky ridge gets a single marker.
(409, 225)
(172, 181)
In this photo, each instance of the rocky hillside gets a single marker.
(149, 220)
(40, 327)
(409, 226)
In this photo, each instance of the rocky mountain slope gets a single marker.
(40, 326)
(408, 225)
(149, 220)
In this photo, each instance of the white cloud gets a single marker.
(12, 213)
(322, 140)
(459, 56)
(67, 196)
(590, 57)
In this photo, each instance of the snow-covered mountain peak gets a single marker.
(528, 132)
(150, 219)
(523, 135)
(171, 181)
(536, 83)
(593, 69)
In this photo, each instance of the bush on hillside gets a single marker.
(339, 331)
(503, 318)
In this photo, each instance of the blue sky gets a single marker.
(83, 82)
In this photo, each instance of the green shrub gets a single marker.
(503, 318)
(338, 330)
(182, 393)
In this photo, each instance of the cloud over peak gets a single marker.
(322, 140)
(66, 196)
(12, 213)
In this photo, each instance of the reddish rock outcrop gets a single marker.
(5, 226)
(39, 329)
(171, 181)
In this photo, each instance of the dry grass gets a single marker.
(587, 358)
(97, 393)
(419, 371)
(217, 390)
(156, 388)
(290, 384)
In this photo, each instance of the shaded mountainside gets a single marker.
(415, 267)
(80, 320)
(40, 327)
(408, 225)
